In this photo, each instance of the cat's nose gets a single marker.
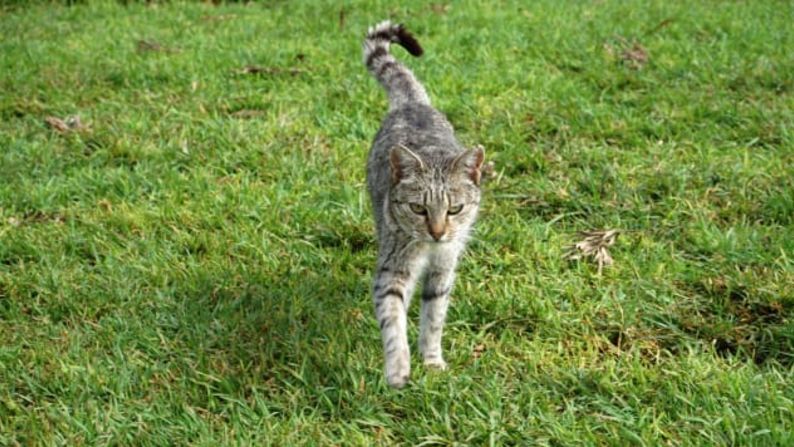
(436, 230)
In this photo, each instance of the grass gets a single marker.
(194, 268)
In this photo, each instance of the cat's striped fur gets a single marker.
(425, 191)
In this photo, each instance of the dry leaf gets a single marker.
(144, 45)
(148, 45)
(57, 124)
(661, 25)
(439, 8)
(247, 113)
(629, 53)
(609, 49)
(255, 69)
(635, 57)
(105, 204)
(37, 217)
(478, 350)
(594, 245)
(217, 18)
(357, 315)
(72, 123)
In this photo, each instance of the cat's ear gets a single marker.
(404, 163)
(469, 164)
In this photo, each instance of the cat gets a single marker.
(425, 192)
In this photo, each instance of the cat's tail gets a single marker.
(400, 83)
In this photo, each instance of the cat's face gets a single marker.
(435, 201)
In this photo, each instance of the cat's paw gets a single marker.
(398, 379)
(436, 363)
(398, 370)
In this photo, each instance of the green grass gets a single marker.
(195, 267)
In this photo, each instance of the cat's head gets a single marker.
(435, 200)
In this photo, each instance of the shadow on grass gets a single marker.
(728, 321)
(297, 330)
(736, 323)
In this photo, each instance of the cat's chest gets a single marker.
(436, 250)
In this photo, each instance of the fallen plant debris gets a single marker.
(256, 69)
(218, 18)
(594, 245)
(71, 123)
(144, 45)
(247, 113)
(630, 53)
(478, 350)
(36, 217)
(663, 24)
(439, 8)
(635, 57)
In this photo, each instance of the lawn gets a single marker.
(191, 262)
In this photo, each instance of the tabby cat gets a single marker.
(425, 192)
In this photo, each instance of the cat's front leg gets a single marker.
(392, 293)
(390, 312)
(439, 279)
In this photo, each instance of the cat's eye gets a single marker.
(417, 208)
(455, 210)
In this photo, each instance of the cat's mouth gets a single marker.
(433, 241)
